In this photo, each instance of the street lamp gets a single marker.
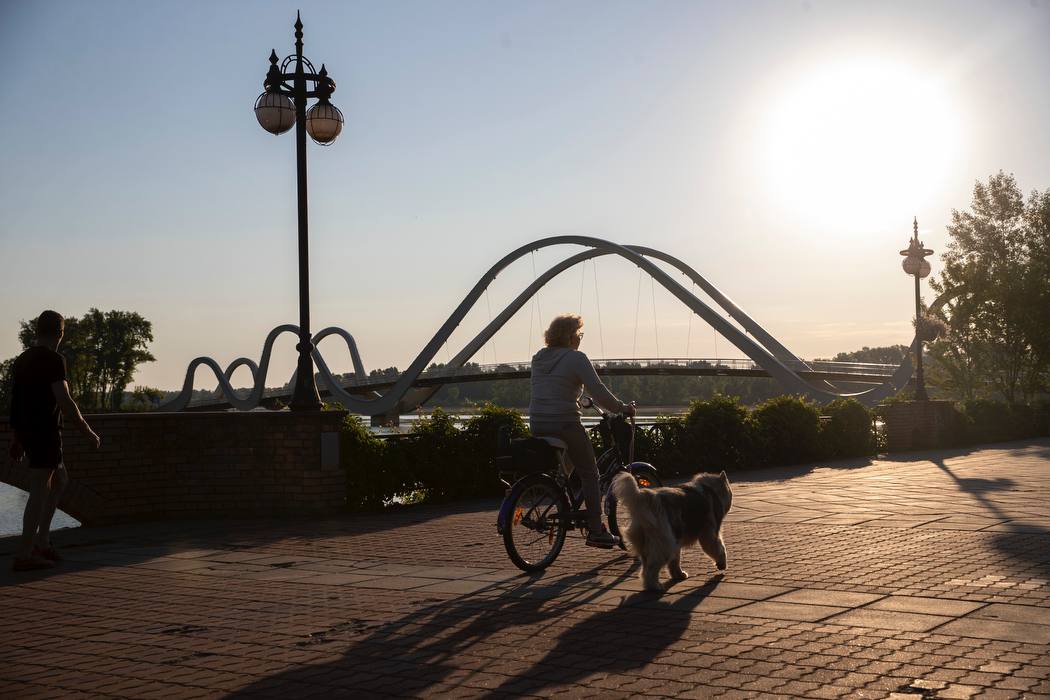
(282, 105)
(915, 264)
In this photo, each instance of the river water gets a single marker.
(12, 505)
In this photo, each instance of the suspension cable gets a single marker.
(598, 303)
(492, 340)
(637, 306)
(533, 308)
(656, 330)
(583, 277)
(536, 298)
(689, 312)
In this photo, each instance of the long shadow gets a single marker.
(451, 640)
(1028, 543)
(137, 542)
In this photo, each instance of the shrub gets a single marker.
(438, 463)
(479, 439)
(716, 435)
(990, 421)
(788, 430)
(848, 430)
(370, 478)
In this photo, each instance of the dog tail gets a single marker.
(625, 488)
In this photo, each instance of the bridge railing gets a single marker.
(731, 364)
(649, 365)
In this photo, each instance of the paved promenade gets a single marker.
(922, 576)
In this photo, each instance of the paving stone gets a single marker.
(928, 606)
(1014, 613)
(842, 599)
(992, 629)
(787, 611)
(335, 579)
(457, 587)
(746, 591)
(394, 583)
(887, 620)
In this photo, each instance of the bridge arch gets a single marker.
(760, 346)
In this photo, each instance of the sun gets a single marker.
(858, 143)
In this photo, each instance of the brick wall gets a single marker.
(916, 425)
(183, 465)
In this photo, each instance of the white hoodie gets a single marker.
(559, 376)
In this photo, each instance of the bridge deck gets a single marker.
(819, 370)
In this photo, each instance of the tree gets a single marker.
(145, 398)
(102, 351)
(886, 355)
(5, 385)
(997, 266)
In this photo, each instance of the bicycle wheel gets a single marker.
(620, 517)
(535, 531)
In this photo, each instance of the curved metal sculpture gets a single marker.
(760, 346)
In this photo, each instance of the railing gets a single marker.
(652, 364)
(838, 371)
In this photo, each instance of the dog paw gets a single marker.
(721, 565)
(679, 575)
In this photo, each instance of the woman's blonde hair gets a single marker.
(559, 333)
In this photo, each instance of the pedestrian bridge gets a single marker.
(436, 377)
(413, 387)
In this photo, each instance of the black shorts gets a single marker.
(43, 452)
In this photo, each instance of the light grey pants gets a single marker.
(581, 452)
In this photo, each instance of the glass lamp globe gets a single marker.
(275, 112)
(914, 265)
(324, 121)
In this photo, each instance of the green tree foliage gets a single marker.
(5, 385)
(998, 261)
(885, 355)
(102, 351)
(144, 398)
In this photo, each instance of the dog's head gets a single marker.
(724, 492)
(721, 494)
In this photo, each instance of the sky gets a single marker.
(781, 149)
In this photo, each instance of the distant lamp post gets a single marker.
(915, 264)
(281, 106)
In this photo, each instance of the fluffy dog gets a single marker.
(663, 520)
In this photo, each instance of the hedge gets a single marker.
(438, 461)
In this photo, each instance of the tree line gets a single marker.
(102, 351)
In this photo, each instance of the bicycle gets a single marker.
(543, 505)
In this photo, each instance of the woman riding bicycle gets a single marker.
(560, 373)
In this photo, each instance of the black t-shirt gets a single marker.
(34, 411)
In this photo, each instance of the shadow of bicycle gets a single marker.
(499, 638)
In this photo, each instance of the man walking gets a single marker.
(39, 399)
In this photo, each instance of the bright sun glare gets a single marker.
(858, 144)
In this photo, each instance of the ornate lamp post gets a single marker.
(915, 264)
(282, 105)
